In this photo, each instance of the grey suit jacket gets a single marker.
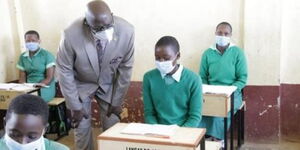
(78, 68)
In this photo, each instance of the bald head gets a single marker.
(98, 15)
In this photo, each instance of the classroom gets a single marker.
(121, 58)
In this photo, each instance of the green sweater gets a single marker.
(177, 103)
(227, 69)
(49, 145)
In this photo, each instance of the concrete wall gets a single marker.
(9, 40)
(290, 52)
(192, 26)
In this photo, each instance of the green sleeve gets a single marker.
(20, 64)
(149, 110)
(3, 144)
(241, 71)
(195, 105)
(203, 71)
(50, 60)
(51, 145)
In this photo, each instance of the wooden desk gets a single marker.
(184, 139)
(7, 95)
(216, 105)
(219, 105)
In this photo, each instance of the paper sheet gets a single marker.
(155, 130)
(7, 86)
(17, 86)
(218, 89)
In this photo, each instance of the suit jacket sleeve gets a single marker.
(65, 72)
(123, 75)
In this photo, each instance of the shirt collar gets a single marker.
(26, 54)
(215, 48)
(177, 75)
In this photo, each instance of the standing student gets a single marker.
(25, 124)
(223, 63)
(94, 61)
(37, 65)
(172, 93)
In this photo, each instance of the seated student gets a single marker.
(25, 123)
(223, 64)
(36, 65)
(172, 93)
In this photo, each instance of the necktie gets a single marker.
(100, 46)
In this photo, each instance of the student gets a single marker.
(172, 93)
(37, 65)
(25, 124)
(223, 64)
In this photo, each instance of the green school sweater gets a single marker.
(227, 69)
(177, 103)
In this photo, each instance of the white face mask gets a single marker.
(32, 46)
(104, 35)
(222, 40)
(164, 67)
(14, 145)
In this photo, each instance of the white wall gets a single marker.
(262, 37)
(265, 29)
(192, 22)
(290, 50)
(9, 41)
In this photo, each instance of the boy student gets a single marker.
(172, 93)
(223, 63)
(25, 124)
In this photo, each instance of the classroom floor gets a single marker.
(286, 144)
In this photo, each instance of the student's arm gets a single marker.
(195, 105)
(22, 76)
(49, 76)
(50, 68)
(203, 71)
(149, 110)
(241, 71)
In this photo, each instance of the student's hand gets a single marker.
(40, 85)
(117, 110)
(77, 116)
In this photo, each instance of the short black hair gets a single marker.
(168, 41)
(225, 23)
(27, 104)
(32, 32)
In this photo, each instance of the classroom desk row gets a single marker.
(214, 104)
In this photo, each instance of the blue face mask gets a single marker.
(32, 46)
(222, 40)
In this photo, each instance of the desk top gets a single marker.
(220, 90)
(189, 137)
(19, 87)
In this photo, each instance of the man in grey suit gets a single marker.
(95, 60)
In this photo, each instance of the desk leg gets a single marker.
(243, 126)
(202, 143)
(240, 124)
(39, 92)
(225, 133)
(232, 121)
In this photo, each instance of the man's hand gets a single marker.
(77, 116)
(117, 110)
